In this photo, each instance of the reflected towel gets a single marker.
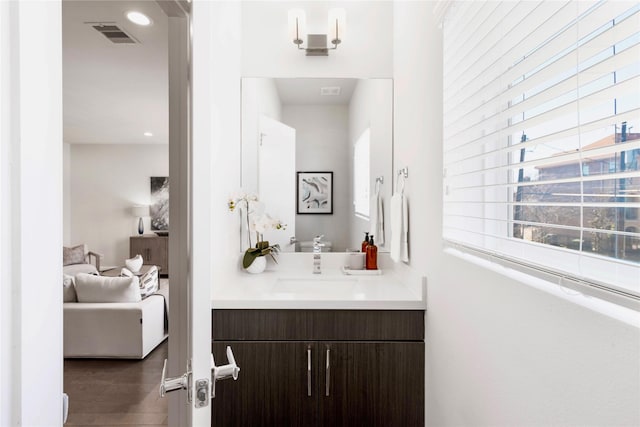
(377, 219)
(399, 228)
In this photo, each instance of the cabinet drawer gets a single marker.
(322, 325)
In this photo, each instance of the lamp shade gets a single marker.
(297, 24)
(140, 210)
(337, 25)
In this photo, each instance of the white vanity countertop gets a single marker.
(298, 289)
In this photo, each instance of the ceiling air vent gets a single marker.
(330, 91)
(112, 32)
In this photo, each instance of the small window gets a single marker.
(361, 184)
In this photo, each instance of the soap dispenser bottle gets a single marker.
(365, 242)
(371, 262)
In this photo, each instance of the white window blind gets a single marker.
(542, 135)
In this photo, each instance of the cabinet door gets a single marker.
(154, 251)
(373, 384)
(272, 388)
(334, 402)
(160, 254)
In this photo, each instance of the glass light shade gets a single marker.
(337, 25)
(140, 210)
(297, 24)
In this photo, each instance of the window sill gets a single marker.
(623, 309)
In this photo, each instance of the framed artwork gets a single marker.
(159, 209)
(314, 193)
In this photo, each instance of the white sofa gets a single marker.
(115, 329)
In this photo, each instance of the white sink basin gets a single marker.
(312, 287)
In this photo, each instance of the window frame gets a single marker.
(495, 213)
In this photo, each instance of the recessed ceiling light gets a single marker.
(148, 134)
(138, 18)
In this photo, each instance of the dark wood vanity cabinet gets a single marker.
(328, 379)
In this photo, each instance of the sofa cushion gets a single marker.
(149, 282)
(74, 255)
(68, 289)
(90, 288)
(74, 269)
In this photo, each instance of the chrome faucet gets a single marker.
(317, 249)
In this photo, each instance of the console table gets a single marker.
(154, 250)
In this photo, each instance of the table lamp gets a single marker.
(140, 211)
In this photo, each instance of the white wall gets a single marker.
(322, 146)
(30, 213)
(371, 107)
(499, 352)
(106, 181)
(66, 194)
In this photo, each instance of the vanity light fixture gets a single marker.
(138, 18)
(149, 134)
(317, 43)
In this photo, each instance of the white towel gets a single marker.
(399, 228)
(377, 219)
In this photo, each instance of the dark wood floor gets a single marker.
(106, 392)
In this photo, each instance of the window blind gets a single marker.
(542, 135)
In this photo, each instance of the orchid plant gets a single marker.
(257, 222)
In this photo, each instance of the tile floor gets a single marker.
(105, 392)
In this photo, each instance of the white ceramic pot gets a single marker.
(258, 265)
(134, 264)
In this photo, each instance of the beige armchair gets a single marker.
(79, 259)
(96, 259)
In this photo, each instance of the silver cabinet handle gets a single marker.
(327, 373)
(309, 371)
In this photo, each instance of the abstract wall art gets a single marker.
(315, 193)
(159, 208)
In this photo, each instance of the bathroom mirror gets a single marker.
(318, 152)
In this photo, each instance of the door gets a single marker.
(189, 209)
(277, 178)
(200, 129)
(278, 385)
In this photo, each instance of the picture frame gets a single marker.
(314, 193)
(159, 209)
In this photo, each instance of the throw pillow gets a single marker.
(74, 255)
(90, 288)
(68, 289)
(149, 282)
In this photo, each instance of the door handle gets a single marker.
(327, 373)
(222, 372)
(309, 371)
(173, 384)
